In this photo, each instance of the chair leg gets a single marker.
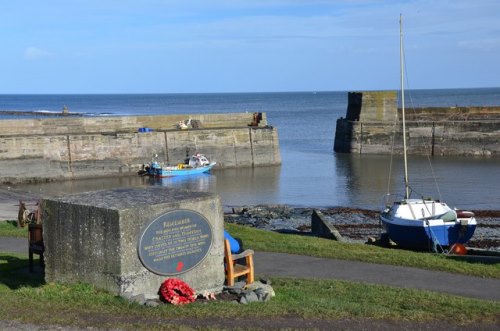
(251, 276)
(230, 279)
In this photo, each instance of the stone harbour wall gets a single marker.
(117, 124)
(373, 126)
(78, 147)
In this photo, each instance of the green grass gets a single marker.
(26, 298)
(313, 246)
(261, 240)
(10, 229)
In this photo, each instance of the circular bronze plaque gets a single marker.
(175, 242)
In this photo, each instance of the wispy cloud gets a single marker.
(34, 53)
(264, 40)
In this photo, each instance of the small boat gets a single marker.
(423, 224)
(426, 224)
(196, 164)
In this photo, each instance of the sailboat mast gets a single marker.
(401, 63)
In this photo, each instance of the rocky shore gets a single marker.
(354, 225)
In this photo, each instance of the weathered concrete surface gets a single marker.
(67, 148)
(371, 106)
(373, 125)
(94, 237)
(322, 228)
(113, 124)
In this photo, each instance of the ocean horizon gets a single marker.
(311, 173)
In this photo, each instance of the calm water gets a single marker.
(311, 174)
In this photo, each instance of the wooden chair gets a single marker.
(235, 270)
(35, 244)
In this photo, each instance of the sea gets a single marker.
(311, 174)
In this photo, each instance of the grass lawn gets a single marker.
(313, 246)
(260, 240)
(10, 229)
(26, 298)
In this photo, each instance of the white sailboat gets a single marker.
(423, 223)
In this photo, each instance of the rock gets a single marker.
(268, 289)
(385, 241)
(232, 290)
(237, 288)
(152, 303)
(139, 298)
(255, 292)
(240, 284)
(266, 281)
(322, 228)
(261, 293)
(354, 225)
(250, 297)
(239, 210)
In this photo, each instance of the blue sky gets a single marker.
(162, 46)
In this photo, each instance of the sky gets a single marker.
(201, 46)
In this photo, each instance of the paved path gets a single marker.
(288, 265)
(15, 245)
(279, 264)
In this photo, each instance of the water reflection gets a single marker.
(460, 182)
(250, 186)
(366, 178)
(336, 180)
(235, 186)
(199, 182)
(308, 179)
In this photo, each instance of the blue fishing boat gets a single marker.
(423, 224)
(196, 164)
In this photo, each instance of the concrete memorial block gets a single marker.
(128, 241)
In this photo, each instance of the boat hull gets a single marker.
(424, 234)
(164, 173)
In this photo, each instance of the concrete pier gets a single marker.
(48, 149)
(373, 125)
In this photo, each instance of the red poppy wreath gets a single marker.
(176, 292)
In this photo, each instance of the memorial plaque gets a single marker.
(175, 242)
